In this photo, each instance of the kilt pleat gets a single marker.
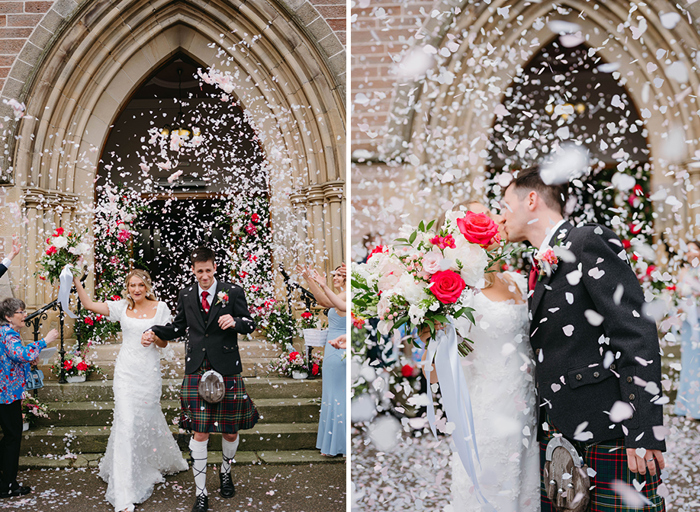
(609, 460)
(235, 412)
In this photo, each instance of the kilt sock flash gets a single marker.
(229, 452)
(198, 449)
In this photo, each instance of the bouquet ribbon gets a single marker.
(456, 402)
(66, 280)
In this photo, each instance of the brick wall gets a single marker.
(334, 12)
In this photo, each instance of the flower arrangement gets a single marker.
(76, 364)
(63, 249)
(308, 320)
(280, 326)
(428, 276)
(33, 409)
(292, 361)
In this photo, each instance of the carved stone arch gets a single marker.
(290, 88)
(459, 118)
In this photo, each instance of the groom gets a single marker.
(596, 350)
(213, 313)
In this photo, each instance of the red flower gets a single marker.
(42, 278)
(98, 318)
(81, 367)
(443, 241)
(359, 323)
(123, 236)
(255, 218)
(251, 229)
(59, 232)
(293, 356)
(634, 257)
(89, 321)
(671, 288)
(626, 244)
(48, 241)
(379, 249)
(635, 229)
(407, 370)
(306, 315)
(478, 228)
(51, 250)
(650, 269)
(447, 286)
(116, 297)
(314, 369)
(68, 365)
(243, 274)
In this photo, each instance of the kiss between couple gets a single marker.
(566, 358)
(141, 448)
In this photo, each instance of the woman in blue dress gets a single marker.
(688, 399)
(331, 426)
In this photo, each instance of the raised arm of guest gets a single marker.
(7, 261)
(337, 301)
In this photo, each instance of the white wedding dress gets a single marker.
(499, 376)
(141, 448)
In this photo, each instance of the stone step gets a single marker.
(257, 349)
(257, 387)
(92, 460)
(272, 410)
(264, 437)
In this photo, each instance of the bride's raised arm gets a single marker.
(100, 308)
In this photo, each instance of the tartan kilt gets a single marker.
(609, 460)
(235, 412)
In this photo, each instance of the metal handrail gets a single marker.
(291, 286)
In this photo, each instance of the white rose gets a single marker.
(79, 249)
(60, 242)
(410, 289)
(431, 262)
(473, 258)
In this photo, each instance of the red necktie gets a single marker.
(532, 281)
(205, 304)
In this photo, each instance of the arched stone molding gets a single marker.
(487, 59)
(102, 54)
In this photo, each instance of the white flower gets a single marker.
(384, 327)
(416, 313)
(473, 259)
(79, 249)
(60, 242)
(410, 289)
(431, 262)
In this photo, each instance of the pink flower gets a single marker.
(124, 236)
(251, 229)
(443, 241)
(431, 262)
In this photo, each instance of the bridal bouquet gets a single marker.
(427, 276)
(63, 249)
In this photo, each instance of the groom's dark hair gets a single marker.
(554, 196)
(202, 254)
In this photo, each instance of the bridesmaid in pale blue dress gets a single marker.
(331, 426)
(688, 399)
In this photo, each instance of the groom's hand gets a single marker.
(226, 322)
(640, 459)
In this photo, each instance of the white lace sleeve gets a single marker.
(116, 310)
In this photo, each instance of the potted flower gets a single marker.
(32, 409)
(313, 335)
(294, 364)
(76, 366)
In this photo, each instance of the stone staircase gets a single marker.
(79, 425)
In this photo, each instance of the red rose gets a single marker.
(68, 365)
(635, 229)
(634, 257)
(99, 318)
(626, 244)
(89, 321)
(306, 315)
(379, 249)
(478, 228)
(293, 356)
(51, 250)
(59, 232)
(650, 269)
(116, 297)
(314, 369)
(255, 218)
(407, 370)
(447, 286)
(82, 366)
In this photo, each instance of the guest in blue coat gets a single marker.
(14, 367)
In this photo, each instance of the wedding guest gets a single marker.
(14, 367)
(688, 399)
(331, 426)
(7, 261)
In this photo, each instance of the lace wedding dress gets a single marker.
(499, 376)
(141, 448)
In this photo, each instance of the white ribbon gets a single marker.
(456, 402)
(66, 280)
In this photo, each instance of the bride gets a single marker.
(141, 448)
(499, 376)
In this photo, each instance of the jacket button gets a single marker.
(631, 396)
(206, 335)
(596, 374)
(612, 366)
(630, 379)
(579, 376)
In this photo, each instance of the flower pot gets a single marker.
(299, 375)
(72, 379)
(315, 337)
(25, 426)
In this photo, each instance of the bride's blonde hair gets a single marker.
(143, 276)
(489, 277)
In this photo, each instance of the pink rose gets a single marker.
(431, 262)
(478, 228)
(447, 286)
